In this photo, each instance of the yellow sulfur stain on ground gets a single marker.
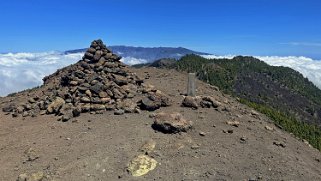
(141, 165)
(38, 176)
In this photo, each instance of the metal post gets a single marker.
(191, 84)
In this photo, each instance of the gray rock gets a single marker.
(108, 56)
(82, 88)
(27, 107)
(97, 107)
(73, 83)
(119, 112)
(31, 100)
(190, 101)
(171, 123)
(110, 64)
(88, 93)
(25, 114)
(91, 50)
(117, 94)
(128, 106)
(20, 109)
(85, 107)
(89, 55)
(97, 55)
(56, 105)
(206, 104)
(85, 100)
(165, 101)
(103, 94)
(149, 104)
(120, 80)
(154, 101)
(208, 101)
(97, 88)
(9, 107)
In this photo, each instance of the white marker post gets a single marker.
(191, 84)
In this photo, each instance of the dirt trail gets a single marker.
(99, 146)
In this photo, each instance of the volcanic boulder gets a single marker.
(189, 101)
(171, 123)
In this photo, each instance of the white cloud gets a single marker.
(218, 56)
(306, 66)
(133, 61)
(19, 71)
(313, 44)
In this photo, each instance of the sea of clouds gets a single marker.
(19, 71)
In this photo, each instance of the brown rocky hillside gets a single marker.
(101, 120)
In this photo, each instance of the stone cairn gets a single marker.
(97, 83)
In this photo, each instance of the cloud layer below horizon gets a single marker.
(19, 71)
(306, 66)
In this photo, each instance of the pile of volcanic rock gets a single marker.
(97, 83)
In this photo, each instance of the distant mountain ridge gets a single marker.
(150, 54)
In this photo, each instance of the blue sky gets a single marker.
(247, 27)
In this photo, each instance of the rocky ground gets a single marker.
(211, 137)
